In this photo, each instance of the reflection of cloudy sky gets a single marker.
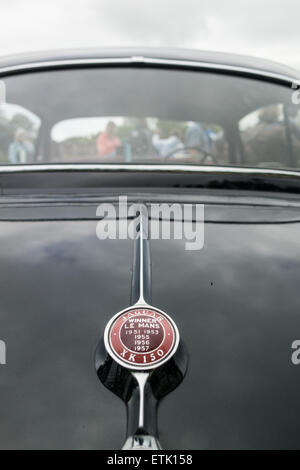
(82, 127)
(9, 110)
(89, 127)
(268, 29)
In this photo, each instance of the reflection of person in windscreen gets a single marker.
(140, 140)
(294, 126)
(197, 139)
(108, 143)
(294, 121)
(168, 146)
(21, 150)
(266, 141)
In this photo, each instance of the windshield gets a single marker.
(144, 115)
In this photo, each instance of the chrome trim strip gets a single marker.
(221, 67)
(141, 270)
(151, 168)
(142, 239)
(142, 443)
(141, 378)
(146, 61)
(63, 63)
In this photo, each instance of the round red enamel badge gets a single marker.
(141, 338)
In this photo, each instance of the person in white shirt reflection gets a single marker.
(168, 146)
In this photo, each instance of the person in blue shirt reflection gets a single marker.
(21, 150)
(197, 138)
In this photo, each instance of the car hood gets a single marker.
(236, 305)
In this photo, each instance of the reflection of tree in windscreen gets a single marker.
(77, 148)
(166, 128)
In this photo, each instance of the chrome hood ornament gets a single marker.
(141, 358)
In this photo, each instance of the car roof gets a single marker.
(186, 56)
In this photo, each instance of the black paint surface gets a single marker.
(236, 304)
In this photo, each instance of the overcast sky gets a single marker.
(264, 28)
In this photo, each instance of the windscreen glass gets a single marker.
(142, 115)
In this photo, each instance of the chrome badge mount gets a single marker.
(141, 357)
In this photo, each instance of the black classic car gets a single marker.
(84, 133)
